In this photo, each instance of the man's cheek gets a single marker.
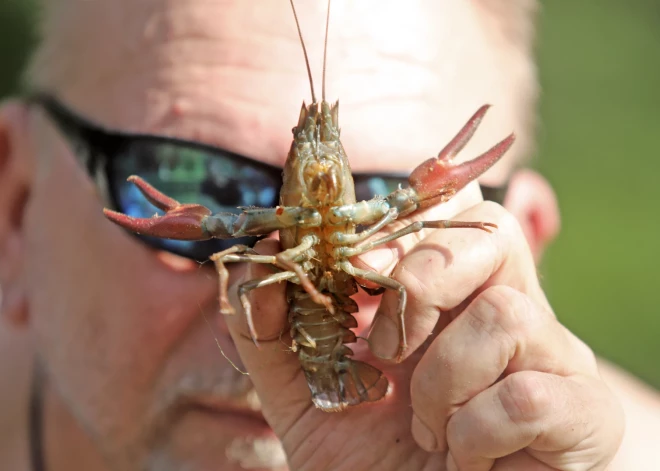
(100, 310)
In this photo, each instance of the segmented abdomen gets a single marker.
(335, 380)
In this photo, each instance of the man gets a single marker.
(104, 340)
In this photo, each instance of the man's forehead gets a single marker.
(407, 75)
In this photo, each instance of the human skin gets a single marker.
(118, 327)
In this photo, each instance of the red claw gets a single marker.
(181, 221)
(440, 178)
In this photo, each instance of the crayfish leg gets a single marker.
(245, 288)
(388, 283)
(289, 260)
(416, 227)
(243, 253)
(236, 253)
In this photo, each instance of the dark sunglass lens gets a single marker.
(223, 183)
(369, 186)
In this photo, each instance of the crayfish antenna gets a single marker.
(325, 49)
(302, 43)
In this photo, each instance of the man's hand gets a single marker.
(491, 380)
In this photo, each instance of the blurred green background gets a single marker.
(600, 147)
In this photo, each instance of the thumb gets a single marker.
(273, 368)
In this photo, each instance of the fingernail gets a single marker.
(380, 260)
(384, 337)
(423, 436)
(451, 464)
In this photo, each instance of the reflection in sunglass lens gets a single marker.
(222, 183)
(191, 175)
(368, 186)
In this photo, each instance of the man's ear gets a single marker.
(15, 177)
(533, 202)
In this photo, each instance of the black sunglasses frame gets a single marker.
(96, 147)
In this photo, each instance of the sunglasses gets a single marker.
(189, 172)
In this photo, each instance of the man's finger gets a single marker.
(542, 413)
(272, 366)
(449, 266)
(518, 461)
(501, 332)
(268, 303)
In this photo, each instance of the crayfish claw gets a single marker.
(180, 222)
(155, 197)
(439, 179)
(459, 141)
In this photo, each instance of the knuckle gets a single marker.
(409, 278)
(460, 431)
(506, 222)
(585, 356)
(509, 230)
(508, 239)
(420, 387)
(423, 273)
(503, 314)
(493, 208)
(438, 382)
(505, 307)
(427, 399)
(526, 396)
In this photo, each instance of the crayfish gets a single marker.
(318, 220)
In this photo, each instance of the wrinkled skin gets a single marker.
(130, 364)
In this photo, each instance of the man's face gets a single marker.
(120, 328)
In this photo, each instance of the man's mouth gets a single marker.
(255, 445)
(246, 404)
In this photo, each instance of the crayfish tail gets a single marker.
(336, 380)
(355, 382)
(363, 381)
